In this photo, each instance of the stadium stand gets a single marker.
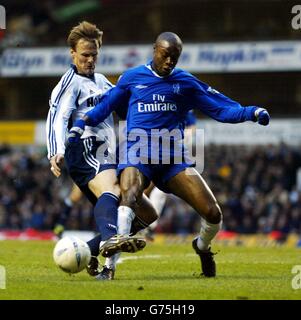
(256, 187)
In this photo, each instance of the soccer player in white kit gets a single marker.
(90, 163)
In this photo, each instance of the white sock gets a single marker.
(111, 262)
(158, 200)
(125, 217)
(101, 243)
(207, 233)
(124, 223)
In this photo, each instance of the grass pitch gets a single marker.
(159, 272)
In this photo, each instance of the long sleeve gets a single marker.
(218, 106)
(62, 103)
(223, 109)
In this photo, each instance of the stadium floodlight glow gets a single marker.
(2, 18)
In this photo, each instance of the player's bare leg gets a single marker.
(158, 199)
(193, 189)
(132, 184)
(134, 214)
(106, 182)
(104, 186)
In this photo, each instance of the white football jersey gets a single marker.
(71, 98)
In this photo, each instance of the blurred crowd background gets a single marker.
(257, 186)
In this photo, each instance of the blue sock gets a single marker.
(65, 213)
(105, 213)
(94, 245)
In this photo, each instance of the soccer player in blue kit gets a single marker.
(158, 96)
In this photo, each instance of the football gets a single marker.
(71, 254)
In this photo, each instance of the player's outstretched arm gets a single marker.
(111, 100)
(223, 109)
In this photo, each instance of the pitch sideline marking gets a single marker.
(147, 256)
(159, 256)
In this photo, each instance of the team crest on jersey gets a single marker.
(176, 88)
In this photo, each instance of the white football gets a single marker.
(71, 254)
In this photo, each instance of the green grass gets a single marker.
(163, 272)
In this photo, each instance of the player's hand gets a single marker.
(262, 116)
(76, 131)
(55, 162)
(73, 136)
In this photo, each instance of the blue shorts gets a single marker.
(83, 162)
(160, 174)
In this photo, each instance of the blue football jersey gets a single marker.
(155, 102)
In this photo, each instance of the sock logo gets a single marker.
(111, 226)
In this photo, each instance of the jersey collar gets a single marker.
(92, 77)
(149, 66)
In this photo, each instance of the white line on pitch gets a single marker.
(160, 256)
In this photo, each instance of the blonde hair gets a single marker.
(84, 30)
